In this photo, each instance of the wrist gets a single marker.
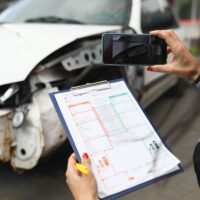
(195, 74)
(84, 197)
(196, 80)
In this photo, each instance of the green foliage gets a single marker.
(195, 51)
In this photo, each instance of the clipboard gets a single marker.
(80, 91)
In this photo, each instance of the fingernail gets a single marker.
(85, 156)
(150, 69)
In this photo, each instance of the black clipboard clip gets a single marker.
(88, 87)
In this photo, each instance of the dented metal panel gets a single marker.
(33, 42)
(29, 142)
(52, 130)
(6, 138)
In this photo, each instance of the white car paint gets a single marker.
(27, 44)
(135, 18)
(23, 46)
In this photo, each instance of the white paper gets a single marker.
(110, 126)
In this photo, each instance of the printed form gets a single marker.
(110, 126)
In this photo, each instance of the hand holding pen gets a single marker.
(80, 178)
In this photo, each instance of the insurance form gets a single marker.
(109, 125)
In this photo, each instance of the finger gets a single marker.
(71, 166)
(155, 32)
(163, 33)
(170, 37)
(86, 161)
(169, 50)
(183, 72)
(170, 69)
(162, 68)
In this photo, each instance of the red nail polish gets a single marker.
(150, 69)
(85, 156)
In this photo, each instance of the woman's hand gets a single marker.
(83, 187)
(183, 63)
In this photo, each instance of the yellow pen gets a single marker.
(83, 169)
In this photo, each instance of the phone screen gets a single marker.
(123, 49)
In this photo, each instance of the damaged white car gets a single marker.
(49, 45)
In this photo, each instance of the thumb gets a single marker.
(162, 68)
(86, 161)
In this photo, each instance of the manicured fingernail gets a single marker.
(85, 156)
(150, 69)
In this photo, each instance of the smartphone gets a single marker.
(140, 49)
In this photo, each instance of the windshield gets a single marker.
(102, 12)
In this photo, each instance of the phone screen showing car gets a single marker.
(123, 49)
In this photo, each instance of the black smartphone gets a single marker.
(140, 49)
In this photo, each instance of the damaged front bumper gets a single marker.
(35, 137)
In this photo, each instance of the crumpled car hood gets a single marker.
(23, 46)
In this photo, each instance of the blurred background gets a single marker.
(49, 45)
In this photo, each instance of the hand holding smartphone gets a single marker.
(125, 49)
